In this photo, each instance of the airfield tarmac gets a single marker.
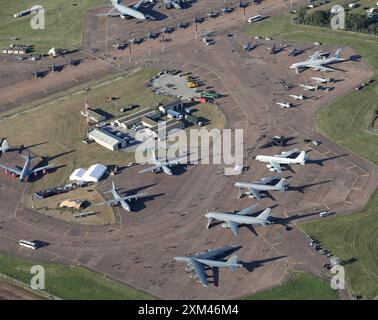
(138, 249)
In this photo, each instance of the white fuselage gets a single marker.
(240, 219)
(127, 11)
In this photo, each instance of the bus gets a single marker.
(28, 244)
(255, 18)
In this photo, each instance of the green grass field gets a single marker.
(353, 236)
(299, 286)
(70, 282)
(64, 23)
(345, 121)
(60, 124)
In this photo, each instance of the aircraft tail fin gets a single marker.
(301, 158)
(233, 263)
(4, 146)
(281, 184)
(265, 214)
(337, 54)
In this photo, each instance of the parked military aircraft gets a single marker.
(275, 162)
(321, 80)
(210, 258)
(297, 97)
(277, 141)
(123, 11)
(309, 87)
(295, 52)
(119, 200)
(248, 46)
(212, 14)
(25, 171)
(227, 10)
(318, 62)
(285, 105)
(275, 50)
(163, 166)
(233, 220)
(263, 186)
(5, 147)
(170, 4)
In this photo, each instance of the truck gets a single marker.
(192, 84)
(209, 95)
(193, 120)
(174, 115)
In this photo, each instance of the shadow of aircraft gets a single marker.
(302, 187)
(250, 266)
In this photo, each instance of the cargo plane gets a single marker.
(119, 200)
(318, 62)
(118, 9)
(163, 166)
(263, 185)
(25, 171)
(233, 220)
(211, 258)
(275, 162)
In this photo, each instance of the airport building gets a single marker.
(176, 105)
(136, 117)
(93, 115)
(107, 139)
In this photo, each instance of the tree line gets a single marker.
(353, 22)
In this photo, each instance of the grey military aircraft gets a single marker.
(119, 200)
(248, 46)
(295, 52)
(263, 185)
(4, 146)
(212, 14)
(318, 62)
(163, 166)
(210, 258)
(233, 220)
(274, 49)
(25, 171)
(227, 10)
(123, 11)
(170, 4)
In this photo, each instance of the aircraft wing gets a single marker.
(114, 201)
(174, 160)
(200, 271)
(212, 253)
(266, 180)
(234, 227)
(322, 68)
(315, 56)
(247, 210)
(286, 154)
(276, 166)
(153, 168)
(41, 168)
(134, 196)
(255, 193)
(13, 170)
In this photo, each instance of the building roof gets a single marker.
(105, 137)
(171, 104)
(95, 173)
